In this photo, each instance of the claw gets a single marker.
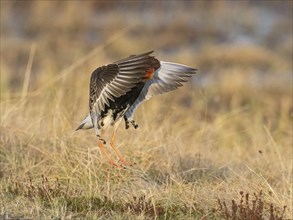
(125, 162)
(134, 124)
(115, 164)
(126, 123)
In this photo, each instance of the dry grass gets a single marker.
(221, 147)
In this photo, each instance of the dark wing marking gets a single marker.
(114, 80)
(168, 77)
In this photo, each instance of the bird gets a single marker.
(119, 88)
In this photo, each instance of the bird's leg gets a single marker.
(121, 159)
(101, 143)
(101, 146)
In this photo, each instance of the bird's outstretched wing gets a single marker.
(114, 80)
(168, 77)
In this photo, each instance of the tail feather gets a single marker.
(86, 123)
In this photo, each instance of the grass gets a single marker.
(220, 147)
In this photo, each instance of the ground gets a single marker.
(219, 147)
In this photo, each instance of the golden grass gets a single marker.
(198, 151)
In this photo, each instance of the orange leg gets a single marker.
(121, 159)
(101, 146)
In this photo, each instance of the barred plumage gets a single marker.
(116, 90)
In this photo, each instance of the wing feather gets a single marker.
(114, 80)
(168, 77)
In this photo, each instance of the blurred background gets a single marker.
(241, 49)
(228, 130)
(255, 36)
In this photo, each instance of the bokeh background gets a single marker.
(228, 130)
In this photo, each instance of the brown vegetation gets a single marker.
(221, 147)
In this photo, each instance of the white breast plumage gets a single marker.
(107, 120)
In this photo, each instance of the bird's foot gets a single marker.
(115, 164)
(134, 124)
(126, 124)
(124, 162)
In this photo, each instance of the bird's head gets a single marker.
(86, 123)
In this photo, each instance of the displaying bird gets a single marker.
(117, 89)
